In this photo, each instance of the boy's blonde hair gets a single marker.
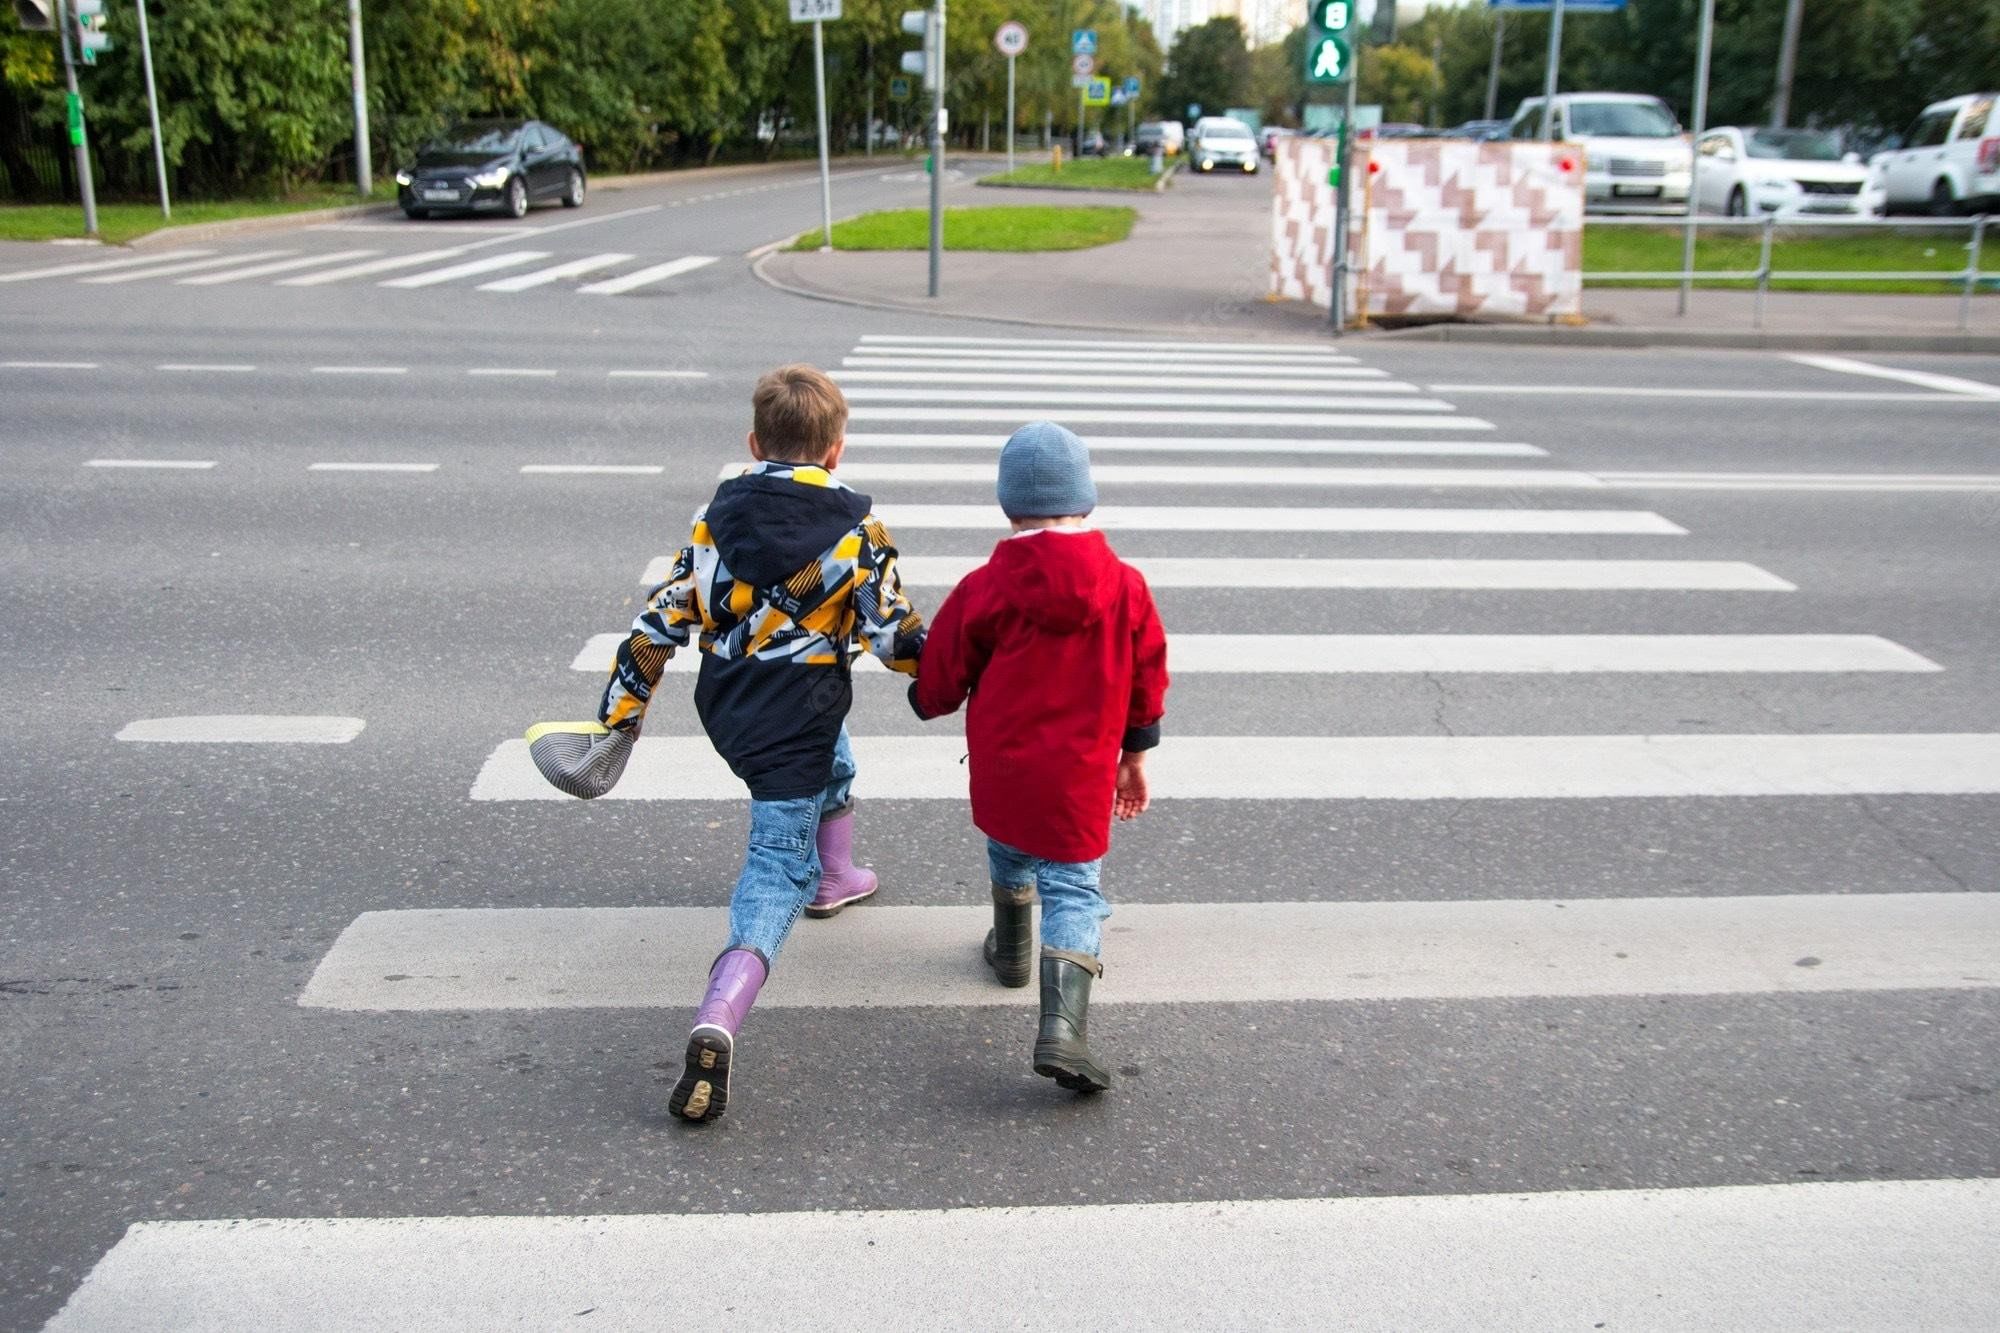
(799, 414)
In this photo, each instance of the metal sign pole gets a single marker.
(825, 171)
(1700, 124)
(1341, 222)
(363, 166)
(78, 139)
(1010, 113)
(1555, 61)
(1493, 73)
(937, 145)
(153, 109)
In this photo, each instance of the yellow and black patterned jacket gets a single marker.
(786, 569)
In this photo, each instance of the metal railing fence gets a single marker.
(1967, 279)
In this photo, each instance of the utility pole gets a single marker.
(78, 139)
(937, 145)
(1700, 125)
(1788, 59)
(1493, 71)
(1555, 62)
(153, 110)
(364, 179)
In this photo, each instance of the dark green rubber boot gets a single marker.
(1061, 1050)
(1010, 945)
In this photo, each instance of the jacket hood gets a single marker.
(767, 527)
(1061, 581)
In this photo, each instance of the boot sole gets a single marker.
(821, 911)
(703, 1092)
(1075, 1075)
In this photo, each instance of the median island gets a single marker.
(1025, 228)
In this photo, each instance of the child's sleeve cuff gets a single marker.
(1141, 738)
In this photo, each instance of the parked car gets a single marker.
(492, 166)
(1218, 141)
(1636, 159)
(1090, 143)
(1948, 162)
(1750, 172)
(1399, 129)
(1168, 136)
(1479, 130)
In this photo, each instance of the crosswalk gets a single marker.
(1741, 1254)
(612, 273)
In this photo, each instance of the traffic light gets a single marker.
(90, 34)
(1330, 41)
(917, 22)
(35, 15)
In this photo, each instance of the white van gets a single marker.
(1635, 157)
(1949, 161)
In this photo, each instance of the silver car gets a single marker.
(1218, 141)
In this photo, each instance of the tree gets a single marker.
(1210, 66)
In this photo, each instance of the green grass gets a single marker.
(1035, 227)
(1090, 173)
(119, 223)
(1638, 249)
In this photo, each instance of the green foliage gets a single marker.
(1625, 249)
(1088, 173)
(1038, 227)
(1209, 66)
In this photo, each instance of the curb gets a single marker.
(1612, 336)
(212, 231)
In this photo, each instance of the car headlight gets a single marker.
(404, 178)
(494, 178)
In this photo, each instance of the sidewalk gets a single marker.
(1197, 263)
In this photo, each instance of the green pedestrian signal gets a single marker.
(1330, 42)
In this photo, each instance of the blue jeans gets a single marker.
(781, 869)
(1072, 906)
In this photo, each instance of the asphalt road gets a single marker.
(165, 906)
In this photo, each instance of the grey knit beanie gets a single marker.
(1045, 473)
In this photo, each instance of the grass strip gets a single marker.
(118, 224)
(1089, 173)
(1820, 249)
(1031, 227)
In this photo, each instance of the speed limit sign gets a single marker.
(1011, 39)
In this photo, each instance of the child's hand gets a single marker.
(1131, 797)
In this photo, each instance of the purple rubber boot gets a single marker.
(841, 882)
(703, 1092)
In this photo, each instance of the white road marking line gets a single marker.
(206, 368)
(188, 266)
(1131, 381)
(453, 272)
(1202, 518)
(657, 957)
(1470, 654)
(540, 277)
(99, 265)
(277, 266)
(170, 464)
(942, 571)
(1122, 344)
(1296, 374)
(593, 470)
(1083, 416)
(48, 365)
(512, 372)
(373, 266)
(647, 276)
(1369, 768)
(1053, 402)
(1873, 1254)
(360, 370)
(243, 729)
(656, 374)
(1143, 359)
(1922, 378)
(1713, 394)
(1169, 474)
(372, 467)
(1886, 482)
(1205, 444)
(592, 220)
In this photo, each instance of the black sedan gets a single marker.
(492, 166)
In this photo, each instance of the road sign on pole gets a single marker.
(1083, 42)
(1097, 92)
(1081, 68)
(899, 90)
(1330, 28)
(1010, 41)
(815, 11)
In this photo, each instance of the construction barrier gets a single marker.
(1443, 228)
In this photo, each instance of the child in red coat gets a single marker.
(1056, 643)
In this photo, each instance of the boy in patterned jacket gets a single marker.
(786, 568)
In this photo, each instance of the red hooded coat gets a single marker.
(1057, 644)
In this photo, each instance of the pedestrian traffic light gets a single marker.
(35, 15)
(1330, 41)
(90, 34)
(917, 22)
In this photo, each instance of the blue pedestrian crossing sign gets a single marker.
(1097, 92)
(1131, 86)
(1083, 42)
(899, 90)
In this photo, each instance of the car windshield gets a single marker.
(1622, 120)
(1794, 145)
(478, 138)
(1226, 129)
